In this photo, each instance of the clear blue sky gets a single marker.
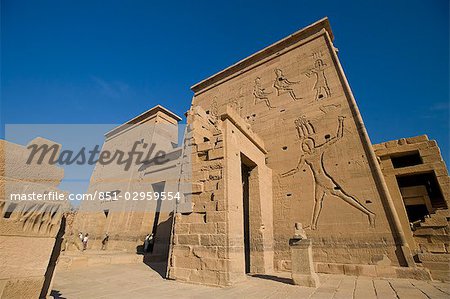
(107, 61)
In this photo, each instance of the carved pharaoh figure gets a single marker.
(312, 154)
(321, 86)
(283, 85)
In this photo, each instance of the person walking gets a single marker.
(85, 241)
(105, 242)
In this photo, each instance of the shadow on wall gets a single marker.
(50, 272)
(158, 258)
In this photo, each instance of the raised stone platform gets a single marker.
(73, 260)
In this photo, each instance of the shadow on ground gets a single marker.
(274, 278)
(158, 267)
(153, 262)
(56, 294)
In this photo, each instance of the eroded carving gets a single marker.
(327, 108)
(304, 127)
(214, 109)
(260, 93)
(317, 55)
(299, 232)
(236, 106)
(40, 217)
(321, 86)
(283, 85)
(312, 154)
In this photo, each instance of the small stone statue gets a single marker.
(300, 233)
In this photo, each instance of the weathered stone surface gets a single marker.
(415, 158)
(215, 154)
(28, 227)
(303, 272)
(188, 239)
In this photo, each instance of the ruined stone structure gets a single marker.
(29, 230)
(418, 182)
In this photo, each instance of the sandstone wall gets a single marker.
(27, 228)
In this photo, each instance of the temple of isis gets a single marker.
(273, 140)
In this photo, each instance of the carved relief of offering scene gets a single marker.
(282, 84)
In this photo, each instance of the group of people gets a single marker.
(85, 239)
(148, 242)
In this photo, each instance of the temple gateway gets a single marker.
(273, 140)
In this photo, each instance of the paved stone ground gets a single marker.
(141, 281)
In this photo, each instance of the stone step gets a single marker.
(430, 231)
(67, 262)
(433, 257)
(435, 221)
(443, 213)
(435, 239)
(433, 248)
(442, 266)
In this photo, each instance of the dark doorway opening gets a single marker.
(417, 209)
(157, 188)
(245, 170)
(405, 160)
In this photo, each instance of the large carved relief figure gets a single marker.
(312, 154)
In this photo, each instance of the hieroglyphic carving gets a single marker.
(283, 85)
(324, 184)
(321, 86)
(214, 110)
(236, 106)
(260, 93)
(317, 55)
(327, 108)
